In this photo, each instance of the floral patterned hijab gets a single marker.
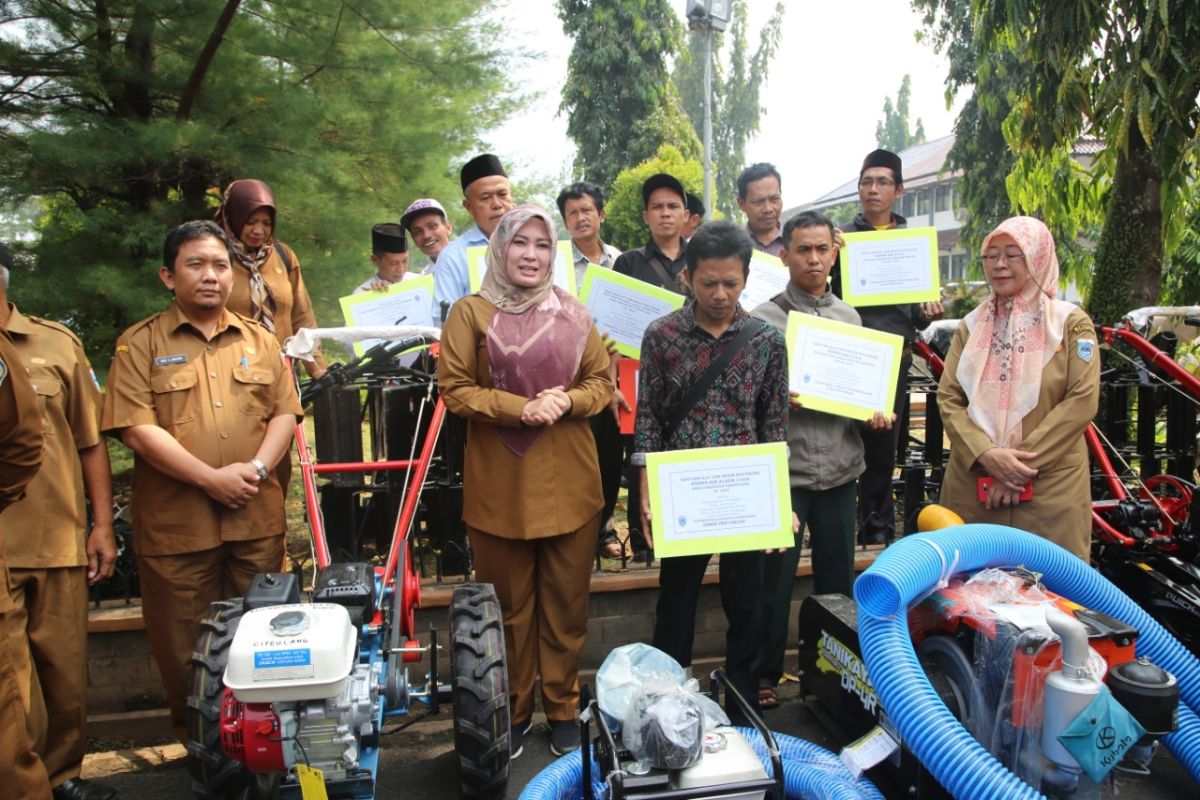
(536, 338)
(241, 199)
(1011, 339)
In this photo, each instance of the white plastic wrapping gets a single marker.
(304, 343)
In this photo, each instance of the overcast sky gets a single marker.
(824, 94)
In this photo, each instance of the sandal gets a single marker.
(611, 547)
(767, 698)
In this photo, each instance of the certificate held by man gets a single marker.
(410, 301)
(622, 307)
(890, 267)
(768, 277)
(720, 499)
(841, 368)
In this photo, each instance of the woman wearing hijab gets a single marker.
(522, 361)
(267, 285)
(1021, 383)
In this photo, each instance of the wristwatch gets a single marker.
(260, 467)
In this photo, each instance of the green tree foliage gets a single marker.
(737, 82)
(1126, 72)
(620, 101)
(126, 117)
(891, 132)
(623, 225)
(1181, 278)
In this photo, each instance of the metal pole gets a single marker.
(708, 205)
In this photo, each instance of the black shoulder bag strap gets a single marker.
(284, 255)
(668, 281)
(700, 388)
(784, 304)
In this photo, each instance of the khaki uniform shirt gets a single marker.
(216, 398)
(1067, 401)
(48, 528)
(293, 306)
(555, 487)
(20, 443)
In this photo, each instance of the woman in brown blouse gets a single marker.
(267, 285)
(1021, 383)
(522, 361)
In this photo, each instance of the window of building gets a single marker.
(923, 200)
(943, 197)
(906, 205)
(958, 267)
(944, 267)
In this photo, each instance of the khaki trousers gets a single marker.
(543, 589)
(48, 638)
(176, 593)
(21, 771)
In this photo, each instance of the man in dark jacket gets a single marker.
(880, 184)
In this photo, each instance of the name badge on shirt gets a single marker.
(163, 361)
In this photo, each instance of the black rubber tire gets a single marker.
(480, 691)
(215, 776)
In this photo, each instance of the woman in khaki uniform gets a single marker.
(1021, 383)
(522, 361)
(267, 284)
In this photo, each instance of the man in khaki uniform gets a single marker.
(51, 556)
(21, 771)
(203, 398)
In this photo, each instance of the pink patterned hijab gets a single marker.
(537, 336)
(1013, 338)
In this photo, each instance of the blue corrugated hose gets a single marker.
(810, 772)
(913, 566)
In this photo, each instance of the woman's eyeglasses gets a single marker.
(994, 258)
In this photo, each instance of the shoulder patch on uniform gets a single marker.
(1083, 327)
(56, 326)
(122, 348)
(3, 371)
(1085, 349)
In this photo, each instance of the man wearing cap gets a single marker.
(760, 198)
(880, 184)
(203, 398)
(663, 258)
(389, 254)
(487, 197)
(428, 227)
(695, 215)
(52, 555)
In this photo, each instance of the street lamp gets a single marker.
(708, 16)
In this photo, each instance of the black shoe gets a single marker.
(79, 789)
(516, 736)
(564, 736)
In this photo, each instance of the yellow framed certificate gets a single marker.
(564, 266)
(841, 368)
(622, 307)
(411, 300)
(720, 499)
(768, 277)
(882, 268)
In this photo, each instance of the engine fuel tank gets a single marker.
(302, 651)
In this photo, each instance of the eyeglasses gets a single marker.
(882, 183)
(992, 259)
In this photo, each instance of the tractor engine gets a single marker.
(296, 692)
